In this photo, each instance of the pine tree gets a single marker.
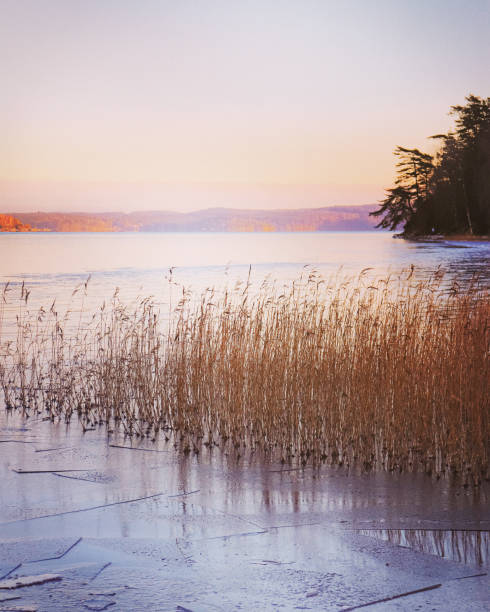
(449, 192)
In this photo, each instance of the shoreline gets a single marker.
(443, 237)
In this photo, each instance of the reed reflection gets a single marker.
(463, 546)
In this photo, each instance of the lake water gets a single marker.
(53, 264)
(121, 517)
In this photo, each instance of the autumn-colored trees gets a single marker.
(9, 223)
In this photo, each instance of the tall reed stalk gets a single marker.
(389, 373)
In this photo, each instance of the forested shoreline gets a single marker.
(448, 192)
(328, 218)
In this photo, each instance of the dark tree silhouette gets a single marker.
(396, 209)
(449, 192)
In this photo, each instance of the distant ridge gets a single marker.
(329, 218)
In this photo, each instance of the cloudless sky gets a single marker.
(176, 104)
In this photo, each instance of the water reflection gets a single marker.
(212, 495)
(463, 546)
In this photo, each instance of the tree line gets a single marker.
(448, 192)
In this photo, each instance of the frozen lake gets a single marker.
(138, 526)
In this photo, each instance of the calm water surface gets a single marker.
(53, 264)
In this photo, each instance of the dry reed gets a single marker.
(389, 373)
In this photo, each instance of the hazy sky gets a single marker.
(176, 104)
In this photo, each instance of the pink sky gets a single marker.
(127, 197)
(182, 105)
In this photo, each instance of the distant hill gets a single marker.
(331, 218)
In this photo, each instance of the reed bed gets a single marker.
(389, 373)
